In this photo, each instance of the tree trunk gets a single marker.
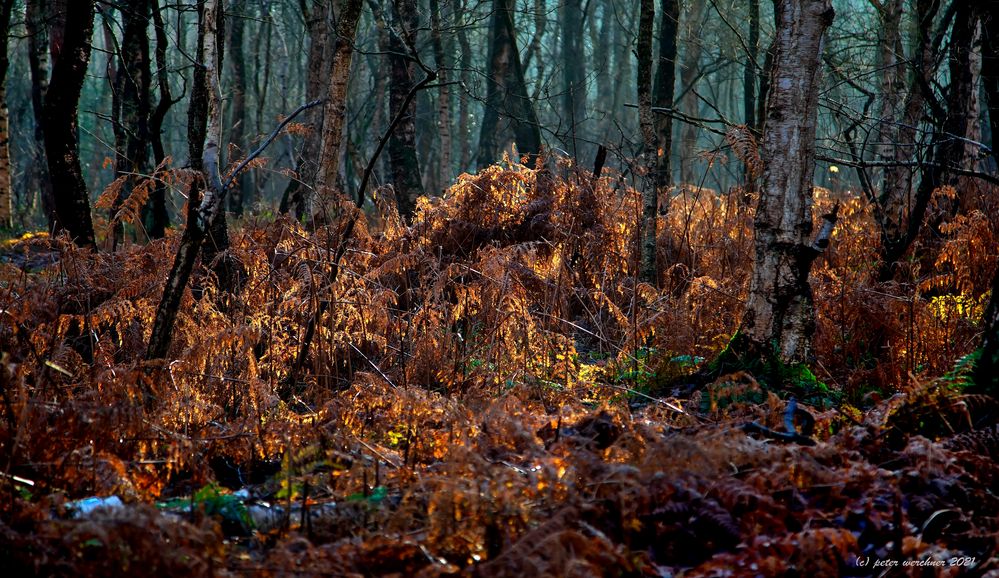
(156, 217)
(601, 66)
(71, 53)
(891, 124)
(443, 95)
(573, 75)
(954, 152)
(261, 87)
(208, 129)
(987, 367)
(205, 120)
(132, 84)
(656, 130)
(898, 211)
(990, 71)
(464, 136)
(689, 104)
(779, 319)
(348, 13)
(406, 176)
(6, 198)
(533, 54)
(297, 198)
(509, 111)
(663, 98)
(623, 57)
(239, 118)
(749, 71)
(650, 141)
(36, 21)
(948, 149)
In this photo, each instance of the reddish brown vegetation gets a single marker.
(473, 405)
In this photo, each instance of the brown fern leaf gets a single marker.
(743, 143)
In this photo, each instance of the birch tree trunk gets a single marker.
(348, 13)
(779, 319)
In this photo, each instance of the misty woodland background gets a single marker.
(498, 287)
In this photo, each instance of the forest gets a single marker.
(485, 288)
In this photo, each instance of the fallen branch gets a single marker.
(792, 434)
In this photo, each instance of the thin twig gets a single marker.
(270, 138)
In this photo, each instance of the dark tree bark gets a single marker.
(132, 85)
(899, 209)
(261, 81)
(961, 123)
(465, 62)
(297, 197)
(987, 368)
(657, 130)
(901, 214)
(573, 74)
(441, 56)
(70, 55)
(779, 319)
(156, 217)
(533, 54)
(197, 110)
(36, 21)
(405, 165)
(689, 74)
(6, 198)
(650, 140)
(663, 97)
(602, 49)
(749, 79)
(509, 113)
(239, 117)
(623, 61)
(206, 196)
(990, 70)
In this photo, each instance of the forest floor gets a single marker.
(490, 392)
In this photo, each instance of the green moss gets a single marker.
(767, 367)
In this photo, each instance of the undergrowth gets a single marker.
(482, 397)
